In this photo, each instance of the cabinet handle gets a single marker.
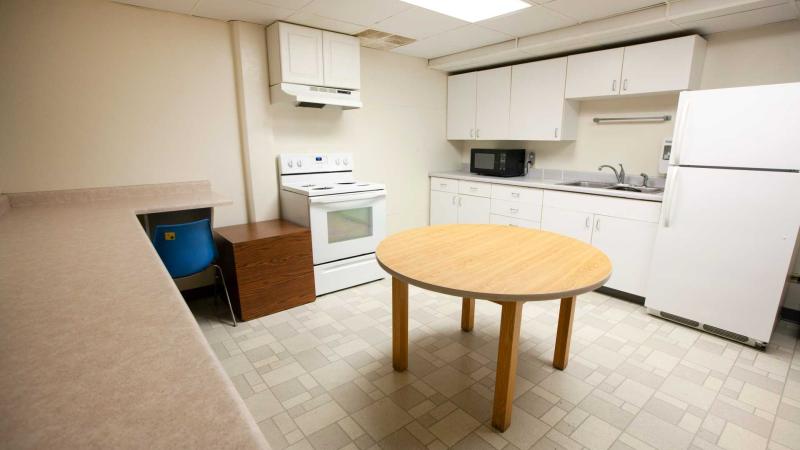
(614, 86)
(511, 225)
(443, 185)
(597, 224)
(513, 210)
(459, 201)
(473, 188)
(454, 200)
(515, 194)
(587, 222)
(625, 85)
(477, 133)
(555, 133)
(471, 133)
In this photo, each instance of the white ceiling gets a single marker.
(438, 35)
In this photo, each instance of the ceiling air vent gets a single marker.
(382, 41)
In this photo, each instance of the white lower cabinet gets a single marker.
(448, 206)
(629, 245)
(473, 209)
(575, 224)
(444, 208)
(624, 229)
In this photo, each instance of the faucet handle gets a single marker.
(645, 178)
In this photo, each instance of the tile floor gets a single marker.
(319, 376)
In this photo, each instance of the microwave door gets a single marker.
(347, 225)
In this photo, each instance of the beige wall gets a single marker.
(761, 55)
(95, 93)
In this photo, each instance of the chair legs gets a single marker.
(225, 289)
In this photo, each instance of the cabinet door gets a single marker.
(301, 54)
(342, 55)
(629, 246)
(473, 209)
(444, 208)
(662, 66)
(461, 106)
(492, 103)
(594, 74)
(574, 224)
(538, 108)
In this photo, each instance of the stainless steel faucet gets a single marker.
(645, 178)
(620, 175)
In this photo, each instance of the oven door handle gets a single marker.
(346, 197)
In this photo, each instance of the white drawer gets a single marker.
(475, 188)
(503, 220)
(519, 210)
(444, 185)
(517, 194)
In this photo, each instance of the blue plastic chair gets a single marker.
(187, 249)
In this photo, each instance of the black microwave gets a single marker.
(497, 163)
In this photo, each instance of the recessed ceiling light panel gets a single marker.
(471, 10)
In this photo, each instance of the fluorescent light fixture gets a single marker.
(471, 10)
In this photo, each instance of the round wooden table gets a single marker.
(507, 265)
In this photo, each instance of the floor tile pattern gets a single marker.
(319, 376)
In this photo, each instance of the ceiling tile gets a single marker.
(362, 12)
(761, 16)
(324, 23)
(288, 4)
(418, 23)
(528, 21)
(453, 41)
(245, 10)
(178, 6)
(584, 10)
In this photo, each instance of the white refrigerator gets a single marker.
(730, 218)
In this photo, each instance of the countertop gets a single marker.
(546, 184)
(97, 347)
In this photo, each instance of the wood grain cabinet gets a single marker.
(268, 266)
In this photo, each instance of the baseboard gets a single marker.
(621, 295)
(198, 292)
(792, 315)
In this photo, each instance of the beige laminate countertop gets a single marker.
(546, 184)
(97, 347)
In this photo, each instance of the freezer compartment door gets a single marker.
(748, 127)
(724, 246)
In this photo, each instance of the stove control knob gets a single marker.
(346, 161)
(299, 163)
(290, 163)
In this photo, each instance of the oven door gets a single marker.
(347, 225)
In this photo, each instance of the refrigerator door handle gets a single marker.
(677, 138)
(672, 187)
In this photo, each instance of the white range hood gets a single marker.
(315, 96)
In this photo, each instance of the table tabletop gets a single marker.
(494, 262)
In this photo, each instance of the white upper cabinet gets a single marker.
(342, 60)
(595, 74)
(663, 66)
(493, 100)
(295, 54)
(539, 111)
(461, 92)
(304, 55)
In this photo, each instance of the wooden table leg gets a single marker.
(564, 333)
(399, 325)
(506, 364)
(467, 314)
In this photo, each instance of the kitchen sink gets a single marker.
(613, 186)
(589, 184)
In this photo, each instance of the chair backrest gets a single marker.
(185, 248)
